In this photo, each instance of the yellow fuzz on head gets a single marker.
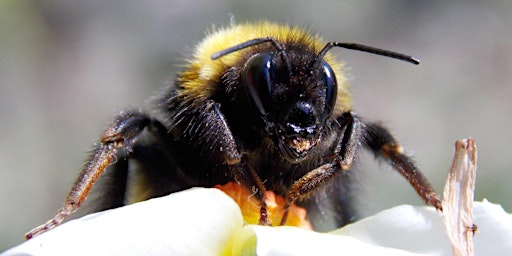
(202, 74)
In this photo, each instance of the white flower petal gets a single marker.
(420, 229)
(494, 234)
(417, 229)
(178, 224)
(401, 230)
(297, 241)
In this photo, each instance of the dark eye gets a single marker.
(258, 74)
(332, 88)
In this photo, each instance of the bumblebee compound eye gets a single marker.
(329, 80)
(257, 75)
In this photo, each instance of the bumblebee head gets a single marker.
(292, 89)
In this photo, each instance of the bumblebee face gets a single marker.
(294, 97)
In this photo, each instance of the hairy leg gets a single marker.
(382, 143)
(343, 157)
(119, 136)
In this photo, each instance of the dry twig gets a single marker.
(458, 198)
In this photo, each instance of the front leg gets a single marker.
(344, 155)
(121, 135)
(382, 143)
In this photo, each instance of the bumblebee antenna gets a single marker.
(368, 49)
(248, 44)
(257, 41)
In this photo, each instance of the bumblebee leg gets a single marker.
(243, 172)
(260, 196)
(311, 181)
(119, 136)
(382, 143)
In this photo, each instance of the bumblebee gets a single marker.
(261, 104)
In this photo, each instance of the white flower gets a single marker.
(207, 222)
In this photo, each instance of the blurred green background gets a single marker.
(67, 66)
